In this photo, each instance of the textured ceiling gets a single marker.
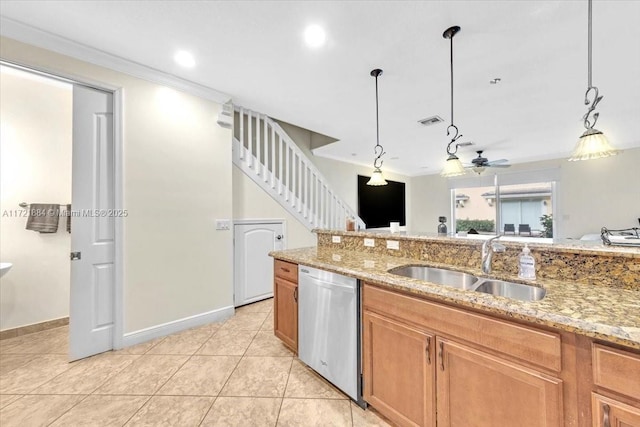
(255, 52)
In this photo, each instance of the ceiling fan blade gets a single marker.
(498, 166)
(498, 161)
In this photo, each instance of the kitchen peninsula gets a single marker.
(571, 358)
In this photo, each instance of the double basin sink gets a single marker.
(470, 282)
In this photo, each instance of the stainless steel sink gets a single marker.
(511, 290)
(439, 276)
(470, 282)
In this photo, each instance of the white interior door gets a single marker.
(93, 229)
(253, 267)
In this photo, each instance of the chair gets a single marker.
(509, 228)
(524, 228)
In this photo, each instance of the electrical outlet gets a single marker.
(369, 243)
(223, 224)
(393, 244)
(336, 239)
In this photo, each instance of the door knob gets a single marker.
(75, 256)
(279, 237)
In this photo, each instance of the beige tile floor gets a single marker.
(233, 373)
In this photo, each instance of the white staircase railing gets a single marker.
(266, 153)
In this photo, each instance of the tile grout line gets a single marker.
(155, 393)
(136, 357)
(230, 375)
(72, 406)
(285, 391)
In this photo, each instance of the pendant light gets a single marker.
(376, 177)
(453, 165)
(592, 144)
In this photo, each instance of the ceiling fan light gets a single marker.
(377, 178)
(592, 145)
(479, 169)
(453, 167)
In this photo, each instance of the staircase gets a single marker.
(265, 153)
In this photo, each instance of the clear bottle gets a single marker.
(527, 265)
(442, 227)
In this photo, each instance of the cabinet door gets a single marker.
(285, 312)
(398, 371)
(611, 413)
(481, 390)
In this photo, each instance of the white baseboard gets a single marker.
(164, 329)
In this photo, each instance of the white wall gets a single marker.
(590, 194)
(177, 170)
(252, 202)
(35, 154)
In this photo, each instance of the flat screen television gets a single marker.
(378, 206)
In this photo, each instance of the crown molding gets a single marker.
(27, 34)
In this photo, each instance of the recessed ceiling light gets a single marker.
(314, 36)
(185, 59)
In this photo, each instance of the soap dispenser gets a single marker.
(527, 270)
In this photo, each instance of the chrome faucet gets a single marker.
(488, 248)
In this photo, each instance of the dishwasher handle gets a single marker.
(327, 285)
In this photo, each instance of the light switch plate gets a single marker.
(223, 224)
(393, 244)
(335, 239)
(369, 243)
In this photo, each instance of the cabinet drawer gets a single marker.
(286, 270)
(616, 370)
(532, 346)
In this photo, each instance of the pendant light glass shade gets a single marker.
(453, 167)
(377, 178)
(592, 145)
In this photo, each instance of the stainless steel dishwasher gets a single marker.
(328, 328)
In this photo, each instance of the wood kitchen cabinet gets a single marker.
(612, 413)
(475, 388)
(615, 373)
(285, 303)
(398, 371)
(418, 372)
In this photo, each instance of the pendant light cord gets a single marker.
(590, 122)
(589, 84)
(449, 34)
(451, 68)
(377, 119)
(378, 150)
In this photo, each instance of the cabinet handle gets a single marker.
(605, 415)
(428, 350)
(286, 270)
(295, 294)
(441, 355)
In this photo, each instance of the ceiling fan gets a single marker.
(479, 164)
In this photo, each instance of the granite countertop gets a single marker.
(582, 247)
(605, 313)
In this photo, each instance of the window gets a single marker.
(518, 204)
